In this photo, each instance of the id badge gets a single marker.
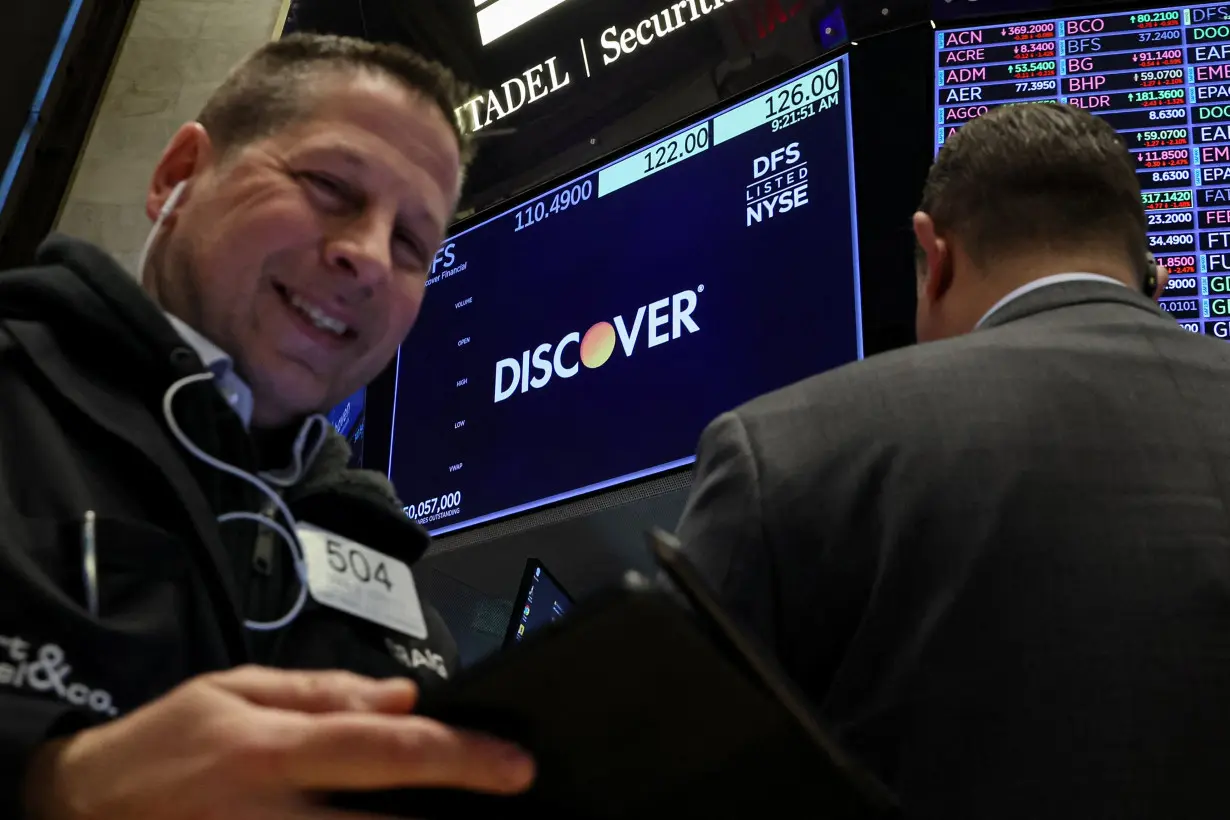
(346, 575)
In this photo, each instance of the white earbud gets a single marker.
(176, 194)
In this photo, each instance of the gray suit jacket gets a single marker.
(999, 565)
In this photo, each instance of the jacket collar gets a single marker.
(1045, 281)
(1069, 294)
(360, 504)
(227, 379)
(89, 300)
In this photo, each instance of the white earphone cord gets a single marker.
(287, 535)
(172, 200)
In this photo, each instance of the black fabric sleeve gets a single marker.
(722, 528)
(26, 719)
(25, 724)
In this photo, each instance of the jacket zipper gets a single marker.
(266, 543)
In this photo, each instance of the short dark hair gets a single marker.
(269, 89)
(1037, 176)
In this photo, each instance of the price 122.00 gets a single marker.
(681, 147)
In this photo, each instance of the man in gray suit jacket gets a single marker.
(999, 562)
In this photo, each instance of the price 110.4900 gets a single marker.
(561, 200)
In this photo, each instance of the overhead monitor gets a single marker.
(583, 337)
(540, 600)
(1161, 77)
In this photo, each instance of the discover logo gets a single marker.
(667, 319)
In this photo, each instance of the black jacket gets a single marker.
(85, 359)
(998, 564)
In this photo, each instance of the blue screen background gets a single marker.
(779, 303)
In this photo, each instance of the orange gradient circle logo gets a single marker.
(598, 345)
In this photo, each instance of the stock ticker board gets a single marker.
(1161, 78)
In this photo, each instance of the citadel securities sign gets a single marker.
(612, 44)
(532, 85)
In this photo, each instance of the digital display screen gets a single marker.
(1161, 77)
(349, 419)
(585, 337)
(541, 602)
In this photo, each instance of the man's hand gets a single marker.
(256, 743)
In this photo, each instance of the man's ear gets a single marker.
(938, 255)
(1163, 277)
(186, 155)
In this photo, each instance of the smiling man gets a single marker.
(167, 487)
(303, 253)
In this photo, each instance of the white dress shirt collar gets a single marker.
(229, 383)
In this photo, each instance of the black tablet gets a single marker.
(638, 705)
(540, 600)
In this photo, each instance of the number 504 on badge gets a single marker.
(356, 579)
